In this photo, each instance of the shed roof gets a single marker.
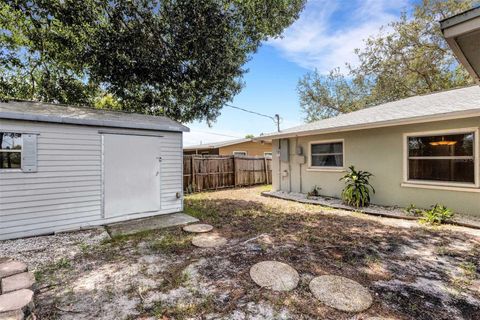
(215, 145)
(58, 113)
(450, 104)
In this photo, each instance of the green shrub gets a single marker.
(357, 189)
(438, 214)
(413, 210)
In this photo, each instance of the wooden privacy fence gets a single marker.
(217, 172)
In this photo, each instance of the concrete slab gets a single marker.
(19, 281)
(16, 300)
(151, 223)
(9, 268)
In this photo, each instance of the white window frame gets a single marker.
(322, 168)
(270, 154)
(14, 151)
(245, 153)
(430, 184)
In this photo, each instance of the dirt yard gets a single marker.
(413, 271)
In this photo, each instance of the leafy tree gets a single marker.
(249, 136)
(408, 58)
(325, 96)
(179, 58)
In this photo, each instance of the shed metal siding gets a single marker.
(66, 191)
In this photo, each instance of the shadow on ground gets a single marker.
(412, 272)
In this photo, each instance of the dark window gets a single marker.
(448, 158)
(327, 154)
(10, 150)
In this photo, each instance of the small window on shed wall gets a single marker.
(18, 151)
(10, 150)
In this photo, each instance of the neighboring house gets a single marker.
(65, 167)
(422, 150)
(239, 147)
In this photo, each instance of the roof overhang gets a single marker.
(374, 125)
(462, 33)
(93, 122)
(206, 147)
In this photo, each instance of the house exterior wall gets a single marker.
(66, 191)
(381, 152)
(254, 149)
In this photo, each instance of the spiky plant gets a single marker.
(357, 187)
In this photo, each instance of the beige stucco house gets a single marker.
(238, 147)
(422, 150)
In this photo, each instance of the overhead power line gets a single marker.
(276, 118)
(217, 134)
(249, 111)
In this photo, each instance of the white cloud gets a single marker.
(327, 32)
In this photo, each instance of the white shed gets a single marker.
(64, 168)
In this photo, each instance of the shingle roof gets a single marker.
(56, 113)
(215, 145)
(456, 103)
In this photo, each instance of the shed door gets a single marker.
(131, 167)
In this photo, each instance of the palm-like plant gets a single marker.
(357, 187)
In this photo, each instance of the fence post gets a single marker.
(194, 185)
(234, 172)
(266, 169)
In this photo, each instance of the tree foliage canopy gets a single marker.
(179, 58)
(407, 58)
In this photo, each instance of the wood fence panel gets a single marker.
(202, 173)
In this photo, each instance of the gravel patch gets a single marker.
(43, 250)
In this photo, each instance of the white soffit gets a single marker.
(462, 33)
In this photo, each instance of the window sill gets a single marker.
(10, 170)
(328, 169)
(473, 188)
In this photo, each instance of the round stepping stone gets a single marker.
(19, 281)
(16, 300)
(208, 241)
(12, 315)
(274, 275)
(341, 293)
(198, 228)
(12, 267)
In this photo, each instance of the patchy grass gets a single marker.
(413, 271)
(171, 242)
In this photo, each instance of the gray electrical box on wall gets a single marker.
(284, 150)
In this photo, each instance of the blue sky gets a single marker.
(324, 37)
